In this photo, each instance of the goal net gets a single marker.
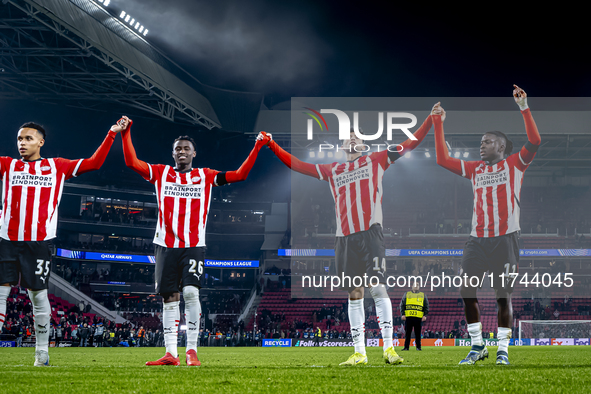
(554, 329)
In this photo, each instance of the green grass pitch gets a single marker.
(543, 369)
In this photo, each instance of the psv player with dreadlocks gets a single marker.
(493, 245)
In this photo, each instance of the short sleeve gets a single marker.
(4, 165)
(469, 168)
(382, 158)
(324, 171)
(519, 159)
(67, 167)
(211, 176)
(154, 172)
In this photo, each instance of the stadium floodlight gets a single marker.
(427, 154)
(339, 154)
(312, 154)
(330, 154)
(457, 154)
(107, 2)
(408, 155)
(132, 22)
(466, 154)
(321, 155)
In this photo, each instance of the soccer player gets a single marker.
(493, 245)
(356, 187)
(183, 195)
(32, 191)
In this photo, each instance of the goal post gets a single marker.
(554, 329)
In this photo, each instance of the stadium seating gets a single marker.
(59, 306)
(445, 314)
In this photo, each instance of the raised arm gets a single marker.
(533, 136)
(293, 162)
(411, 144)
(131, 160)
(241, 173)
(95, 161)
(443, 157)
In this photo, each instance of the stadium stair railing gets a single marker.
(63, 289)
(251, 306)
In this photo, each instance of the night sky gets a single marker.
(370, 48)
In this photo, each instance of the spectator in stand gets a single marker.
(98, 334)
(58, 335)
(201, 337)
(150, 338)
(17, 331)
(141, 335)
(84, 333)
(74, 333)
(51, 332)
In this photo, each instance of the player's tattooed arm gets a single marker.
(411, 144)
(241, 173)
(95, 162)
(443, 158)
(533, 136)
(293, 162)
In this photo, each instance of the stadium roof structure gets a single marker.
(77, 52)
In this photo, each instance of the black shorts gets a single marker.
(31, 260)
(177, 268)
(359, 254)
(494, 255)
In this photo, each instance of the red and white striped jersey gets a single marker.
(497, 194)
(356, 187)
(183, 205)
(31, 194)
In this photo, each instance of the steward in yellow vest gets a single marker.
(413, 307)
(317, 336)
